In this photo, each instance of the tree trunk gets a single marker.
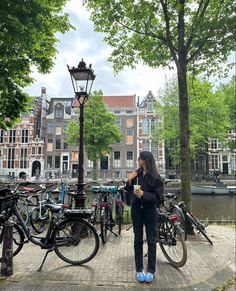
(181, 63)
(95, 170)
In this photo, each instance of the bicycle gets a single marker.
(170, 236)
(119, 207)
(69, 234)
(200, 227)
(102, 208)
(170, 207)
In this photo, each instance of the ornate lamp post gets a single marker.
(82, 78)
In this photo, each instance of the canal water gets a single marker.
(205, 207)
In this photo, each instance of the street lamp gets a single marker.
(82, 78)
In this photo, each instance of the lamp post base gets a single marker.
(81, 196)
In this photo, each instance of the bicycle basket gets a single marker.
(5, 199)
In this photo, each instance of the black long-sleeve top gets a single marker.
(153, 194)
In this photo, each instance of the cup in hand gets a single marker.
(137, 187)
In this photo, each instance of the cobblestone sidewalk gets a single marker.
(113, 267)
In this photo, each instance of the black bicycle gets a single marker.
(170, 236)
(173, 208)
(70, 235)
(200, 227)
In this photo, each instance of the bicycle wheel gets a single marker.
(75, 241)
(93, 218)
(104, 225)
(18, 239)
(173, 245)
(199, 226)
(177, 210)
(119, 217)
(39, 223)
(23, 210)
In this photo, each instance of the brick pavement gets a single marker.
(113, 267)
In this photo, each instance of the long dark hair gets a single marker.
(151, 169)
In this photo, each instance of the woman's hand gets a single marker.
(138, 193)
(132, 176)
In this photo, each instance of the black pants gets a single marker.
(144, 216)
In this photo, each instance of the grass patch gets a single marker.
(227, 284)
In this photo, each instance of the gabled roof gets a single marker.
(115, 101)
(120, 101)
(60, 99)
(148, 96)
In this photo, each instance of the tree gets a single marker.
(27, 38)
(227, 93)
(192, 34)
(208, 116)
(100, 130)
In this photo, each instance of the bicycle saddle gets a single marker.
(171, 196)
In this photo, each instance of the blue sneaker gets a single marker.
(140, 276)
(149, 277)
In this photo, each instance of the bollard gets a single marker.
(7, 250)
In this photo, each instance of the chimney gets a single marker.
(43, 90)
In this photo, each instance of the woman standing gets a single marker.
(147, 192)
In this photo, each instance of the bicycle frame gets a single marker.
(43, 242)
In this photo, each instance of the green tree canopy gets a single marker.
(209, 116)
(192, 34)
(100, 130)
(27, 38)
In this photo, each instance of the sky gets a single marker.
(89, 45)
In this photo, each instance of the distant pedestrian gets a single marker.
(146, 187)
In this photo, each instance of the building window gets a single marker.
(154, 125)
(65, 146)
(146, 145)
(58, 111)
(11, 158)
(24, 135)
(104, 163)
(12, 136)
(154, 149)
(129, 111)
(214, 144)
(234, 164)
(117, 163)
(149, 105)
(90, 164)
(50, 145)
(145, 126)
(129, 122)
(214, 162)
(129, 139)
(58, 144)
(65, 124)
(57, 162)
(129, 159)
(64, 165)
(50, 127)
(74, 156)
(23, 159)
(58, 130)
(39, 150)
(129, 132)
(1, 136)
(117, 111)
(118, 121)
(49, 162)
